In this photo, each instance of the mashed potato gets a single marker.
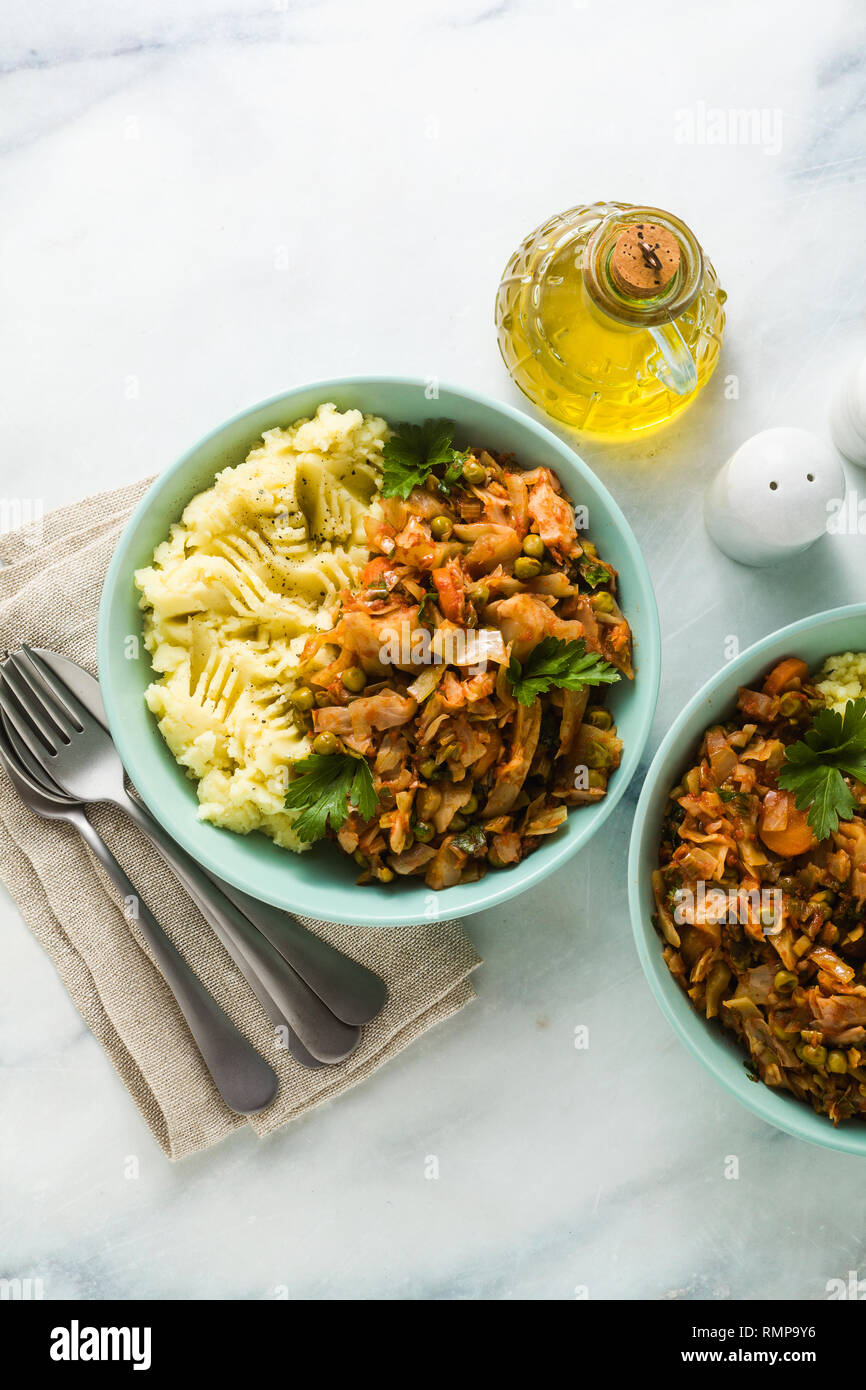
(842, 678)
(253, 568)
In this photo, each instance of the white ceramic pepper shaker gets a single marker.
(848, 416)
(770, 500)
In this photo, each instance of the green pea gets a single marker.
(353, 679)
(423, 831)
(302, 697)
(471, 806)
(458, 823)
(596, 779)
(534, 547)
(812, 1056)
(784, 981)
(428, 768)
(599, 719)
(360, 858)
(480, 595)
(526, 568)
(837, 1062)
(597, 755)
(474, 473)
(325, 743)
(603, 602)
(441, 527)
(790, 704)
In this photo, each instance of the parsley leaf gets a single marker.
(452, 473)
(425, 618)
(595, 573)
(736, 798)
(328, 782)
(813, 767)
(414, 451)
(567, 665)
(472, 840)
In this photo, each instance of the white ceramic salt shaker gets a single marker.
(770, 500)
(848, 416)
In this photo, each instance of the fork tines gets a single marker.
(35, 702)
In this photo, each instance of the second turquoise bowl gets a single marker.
(321, 883)
(813, 639)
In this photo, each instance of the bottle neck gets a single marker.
(644, 310)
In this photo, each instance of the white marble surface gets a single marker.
(216, 200)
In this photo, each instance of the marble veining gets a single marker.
(214, 201)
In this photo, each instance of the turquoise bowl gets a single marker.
(321, 883)
(813, 639)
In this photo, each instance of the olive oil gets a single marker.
(610, 318)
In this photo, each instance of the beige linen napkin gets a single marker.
(49, 594)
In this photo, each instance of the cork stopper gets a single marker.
(645, 259)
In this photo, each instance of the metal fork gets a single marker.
(244, 1080)
(351, 991)
(46, 798)
(74, 750)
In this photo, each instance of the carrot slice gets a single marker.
(788, 673)
(783, 828)
(450, 591)
(374, 570)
